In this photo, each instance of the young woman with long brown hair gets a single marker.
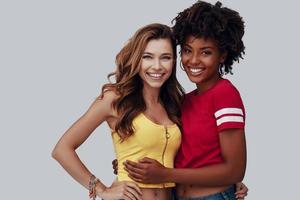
(142, 109)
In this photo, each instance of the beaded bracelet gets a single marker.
(92, 187)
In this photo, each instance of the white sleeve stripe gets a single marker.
(229, 119)
(224, 111)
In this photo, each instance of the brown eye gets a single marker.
(186, 51)
(206, 52)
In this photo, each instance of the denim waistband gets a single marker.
(228, 194)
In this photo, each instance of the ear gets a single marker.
(223, 57)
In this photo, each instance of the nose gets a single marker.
(194, 59)
(156, 64)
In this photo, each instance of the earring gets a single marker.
(221, 71)
(181, 67)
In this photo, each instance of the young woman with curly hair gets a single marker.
(144, 100)
(212, 156)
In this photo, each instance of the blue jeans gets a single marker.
(228, 194)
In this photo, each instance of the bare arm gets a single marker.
(232, 170)
(64, 151)
(233, 147)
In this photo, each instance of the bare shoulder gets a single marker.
(103, 103)
(107, 98)
(109, 95)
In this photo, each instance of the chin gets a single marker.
(156, 85)
(194, 79)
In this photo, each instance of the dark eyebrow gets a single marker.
(167, 54)
(202, 48)
(208, 47)
(186, 45)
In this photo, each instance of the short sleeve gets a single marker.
(229, 110)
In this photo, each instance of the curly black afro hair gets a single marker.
(222, 24)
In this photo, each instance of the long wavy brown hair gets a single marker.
(128, 84)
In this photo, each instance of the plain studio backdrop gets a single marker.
(54, 58)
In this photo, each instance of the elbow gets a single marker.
(234, 178)
(55, 153)
(242, 174)
(238, 174)
(239, 177)
(61, 150)
(58, 151)
(235, 172)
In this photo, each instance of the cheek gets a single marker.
(211, 62)
(184, 59)
(143, 68)
(214, 64)
(141, 74)
(169, 67)
(145, 64)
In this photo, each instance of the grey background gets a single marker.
(54, 58)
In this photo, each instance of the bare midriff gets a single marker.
(156, 193)
(190, 190)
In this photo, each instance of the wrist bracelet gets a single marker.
(92, 187)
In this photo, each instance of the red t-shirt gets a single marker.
(204, 116)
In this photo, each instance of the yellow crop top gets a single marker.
(149, 140)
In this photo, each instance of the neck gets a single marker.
(206, 86)
(151, 95)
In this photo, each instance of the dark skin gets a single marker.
(230, 171)
(203, 54)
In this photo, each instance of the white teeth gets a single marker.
(155, 75)
(195, 70)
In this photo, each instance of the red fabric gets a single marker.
(200, 114)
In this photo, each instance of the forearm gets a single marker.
(70, 161)
(209, 176)
(230, 171)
